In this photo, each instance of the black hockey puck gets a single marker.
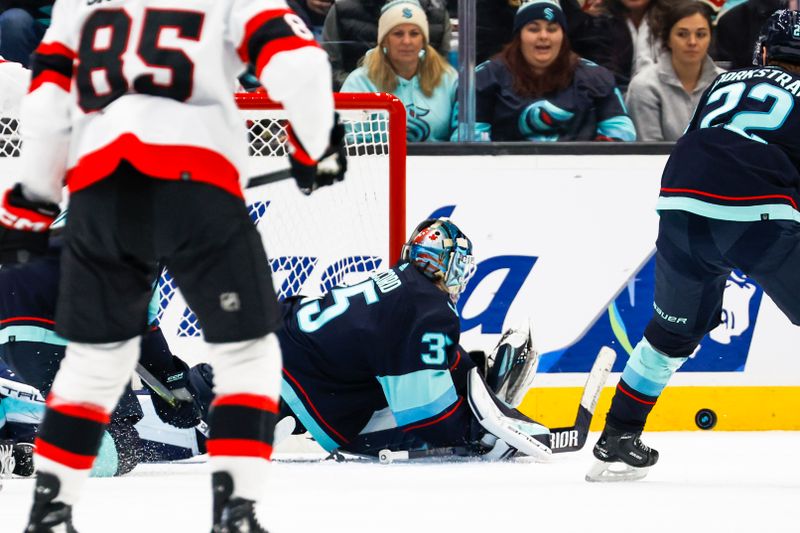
(705, 419)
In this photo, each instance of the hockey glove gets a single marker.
(24, 226)
(331, 167)
(183, 411)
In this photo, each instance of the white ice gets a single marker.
(705, 482)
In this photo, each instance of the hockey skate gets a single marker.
(621, 456)
(47, 515)
(232, 515)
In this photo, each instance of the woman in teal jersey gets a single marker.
(404, 64)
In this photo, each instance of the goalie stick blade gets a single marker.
(603, 472)
(598, 376)
(573, 438)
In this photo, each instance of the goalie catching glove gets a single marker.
(511, 428)
(24, 226)
(331, 166)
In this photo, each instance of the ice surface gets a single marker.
(705, 481)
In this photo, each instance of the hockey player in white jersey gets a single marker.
(131, 105)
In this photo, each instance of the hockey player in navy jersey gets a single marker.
(378, 364)
(729, 200)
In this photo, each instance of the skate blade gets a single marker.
(602, 472)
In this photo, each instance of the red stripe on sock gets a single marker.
(626, 393)
(265, 403)
(63, 457)
(87, 411)
(238, 448)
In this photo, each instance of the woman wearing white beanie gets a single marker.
(404, 64)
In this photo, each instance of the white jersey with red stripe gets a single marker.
(152, 81)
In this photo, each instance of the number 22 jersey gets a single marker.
(740, 156)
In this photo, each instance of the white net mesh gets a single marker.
(339, 234)
(9, 139)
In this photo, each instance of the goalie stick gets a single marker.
(169, 396)
(268, 177)
(562, 439)
(573, 438)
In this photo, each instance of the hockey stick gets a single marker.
(562, 440)
(573, 438)
(388, 456)
(169, 396)
(269, 177)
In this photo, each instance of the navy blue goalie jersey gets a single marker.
(740, 156)
(381, 355)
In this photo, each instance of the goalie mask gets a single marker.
(442, 252)
(780, 37)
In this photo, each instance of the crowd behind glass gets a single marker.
(548, 70)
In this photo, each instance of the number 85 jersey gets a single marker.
(152, 81)
(740, 156)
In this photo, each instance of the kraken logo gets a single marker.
(542, 120)
(418, 129)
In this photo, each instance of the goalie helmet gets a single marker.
(780, 37)
(442, 252)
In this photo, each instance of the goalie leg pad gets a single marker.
(519, 432)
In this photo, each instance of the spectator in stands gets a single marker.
(494, 20)
(538, 89)
(22, 26)
(738, 29)
(404, 64)
(351, 28)
(313, 13)
(643, 20)
(662, 96)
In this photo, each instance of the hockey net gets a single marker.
(337, 235)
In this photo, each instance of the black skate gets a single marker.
(48, 516)
(621, 456)
(232, 515)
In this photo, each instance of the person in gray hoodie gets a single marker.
(662, 97)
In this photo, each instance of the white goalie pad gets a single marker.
(283, 429)
(7, 463)
(519, 432)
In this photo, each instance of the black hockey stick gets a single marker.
(269, 177)
(573, 438)
(169, 396)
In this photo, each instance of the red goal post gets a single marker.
(396, 144)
